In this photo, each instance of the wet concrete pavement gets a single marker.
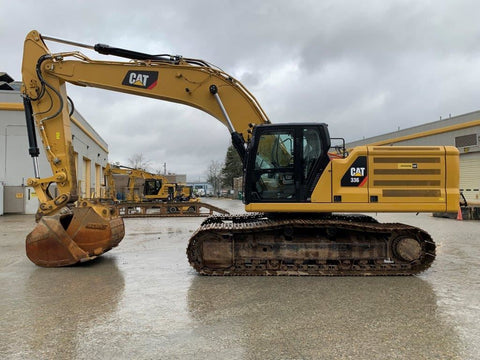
(143, 301)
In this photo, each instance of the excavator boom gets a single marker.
(64, 235)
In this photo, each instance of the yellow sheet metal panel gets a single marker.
(347, 207)
(394, 179)
(407, 174)
(349, 177)
(323, 189)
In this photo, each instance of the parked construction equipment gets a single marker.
(301, 193)
(151, 195)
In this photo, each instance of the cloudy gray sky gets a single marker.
(363, 67)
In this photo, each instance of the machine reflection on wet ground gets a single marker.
(320, 317)
(142, 300)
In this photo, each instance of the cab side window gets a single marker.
(311, 150)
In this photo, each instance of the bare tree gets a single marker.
(162, 170)
(214, 175)
(138, 161)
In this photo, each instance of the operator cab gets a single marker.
(152, 187)
(284, 162)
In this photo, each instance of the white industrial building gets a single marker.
(462, 131)
(16, 166)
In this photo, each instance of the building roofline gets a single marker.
(431, 128)
(77, 119)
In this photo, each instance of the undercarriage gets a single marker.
(327, 244)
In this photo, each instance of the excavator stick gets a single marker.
(67, 239)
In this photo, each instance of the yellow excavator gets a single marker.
(156, 191)
(155, 187)
(298, 199)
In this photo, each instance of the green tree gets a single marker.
(232, 167)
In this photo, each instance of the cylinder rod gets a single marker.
(214, 91)
(33, 149)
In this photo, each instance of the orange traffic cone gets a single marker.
(459, 215)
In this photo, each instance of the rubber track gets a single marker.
(235, 225)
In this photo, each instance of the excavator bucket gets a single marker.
(67, 239)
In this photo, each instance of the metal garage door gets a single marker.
(470, 176)
(13, 200)
(1, 198)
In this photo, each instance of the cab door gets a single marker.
(272, 177)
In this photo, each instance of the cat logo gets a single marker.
(357, 174)
(141, 79)
(357, 171)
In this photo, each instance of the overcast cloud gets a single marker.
(363, 67)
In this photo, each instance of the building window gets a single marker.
(466, 140)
